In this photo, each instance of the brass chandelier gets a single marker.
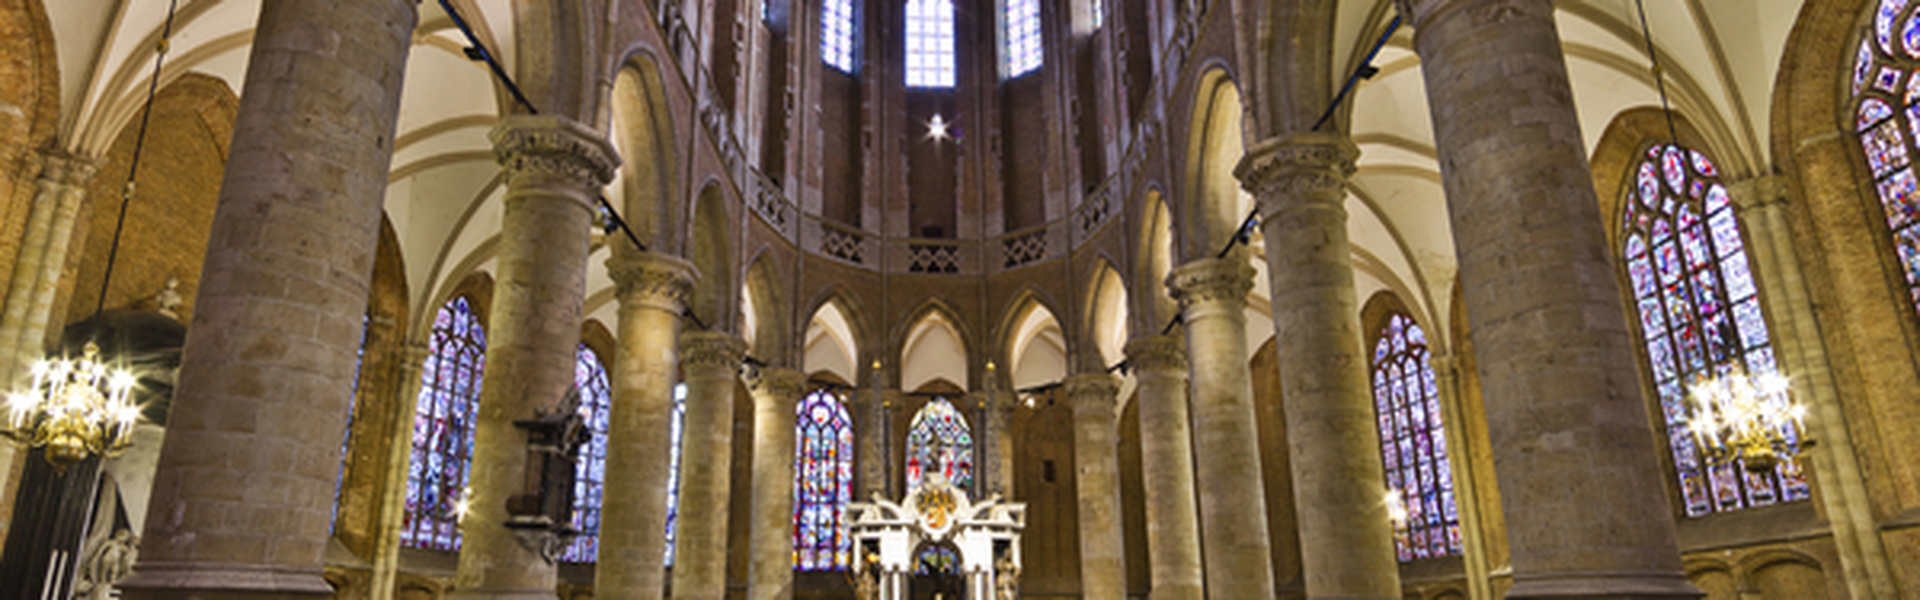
(1748, 418)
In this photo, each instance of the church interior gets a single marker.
(960, 299)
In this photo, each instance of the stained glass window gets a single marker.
(1098, 9)
(1413, 442)
(1022, 36)
(590, 379)
(1699, 315)
(823, 483)
(675, 433)
(936, 560)
(940, 438)
(443, 428)
(1888, 119)
(346, 435)
(837, 26)
(930, 62)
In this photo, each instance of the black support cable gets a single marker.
(1366, 70)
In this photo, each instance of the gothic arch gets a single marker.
(34, 91)
(1621, 147)
(1108, 323)
(1035, 344)
(764, 317)
(649, 152)
(711, 248)
(1213, 207)
(839, 323)
(933, 333)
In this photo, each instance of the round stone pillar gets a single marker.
(709, 363)
(652, 289)
(1096, 450)
(1346, 539)
(998, 406)
(1586, 511)
(243, 492)
(58, 194)
(776, 392)
(1226, 441)
(554, 169)
(1166, 459)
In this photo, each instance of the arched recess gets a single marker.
(1154, 257)
(378, 414)
(832, 341)
(1108, 317)
(764, 310)
(648, 153)
(1036, 346)
(31, 101)
(555, 58)
(1619, 151)
(1214, 204)
(934, 349)
(712, 251)
(171, 215)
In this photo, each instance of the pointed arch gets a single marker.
(1214, 204)
(1154, 258)
(1109, 320)
(648, 151)
(764, 310)
(1033, 341)
(934, 347)
(711, 248)
(832, 341)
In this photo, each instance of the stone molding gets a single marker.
(1160, 355)
(1091, 393)
(223, 580)
(1759, 192)
(1419, 13)
(779, 385)
(1210, 280)
(60, 168)
(652, 279)
(552, 149)
(1308, 166)
(710, 351)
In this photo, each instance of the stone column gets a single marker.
(776, 392)
(392, 511)
(1346, 540)
(1096, 450)
(1233, 508)
(652, 290)
(554, 168)
(999, 407)
(1166, 460)
(1586, 511)
(243, 491)
(709, 362)
(869, 467)
(1466, 479)
(1802, 351)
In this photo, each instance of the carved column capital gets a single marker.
(1210, 280)
(1759, 192)
(1297, 168)
(651, 279)
(1158, 356)
(780, 386)
(1421, 13)
(546, 150)
(709, 351)
(1091, 393)
(60, 168)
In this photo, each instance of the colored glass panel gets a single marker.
(837, 24)
(590, 381)
(1022, 36)
(676, 432)
(1712, 320)
(443, 424)
(1413, 442)
(823, 483)
(346, 434)
(940, 437)
(930, 60)
(1886, 142)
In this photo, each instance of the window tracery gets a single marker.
(443, 429)
(838, 23)
(1886, 86)
(1021, 36)
(590, 379)
(930, 60)
(823, 483)
(939, 437)
(1413, 442)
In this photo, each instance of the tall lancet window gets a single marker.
(1886, 84)
(1020, 36)
(676, 431)
(1413, 442)
(940, 439)
(590, 381)
(930, 62)
(443, 424)
(823, 483)
(838, 22)
(1699, 314)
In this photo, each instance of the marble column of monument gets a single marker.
(1796, 334)
(1579, 473)
(391, 515)
(1233, 509)
(710, 363)
(1346, 539)
(1166, 459)
(554, 169)
(652, 290)
(776, 393)
(243, 491)
(1096, 451)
